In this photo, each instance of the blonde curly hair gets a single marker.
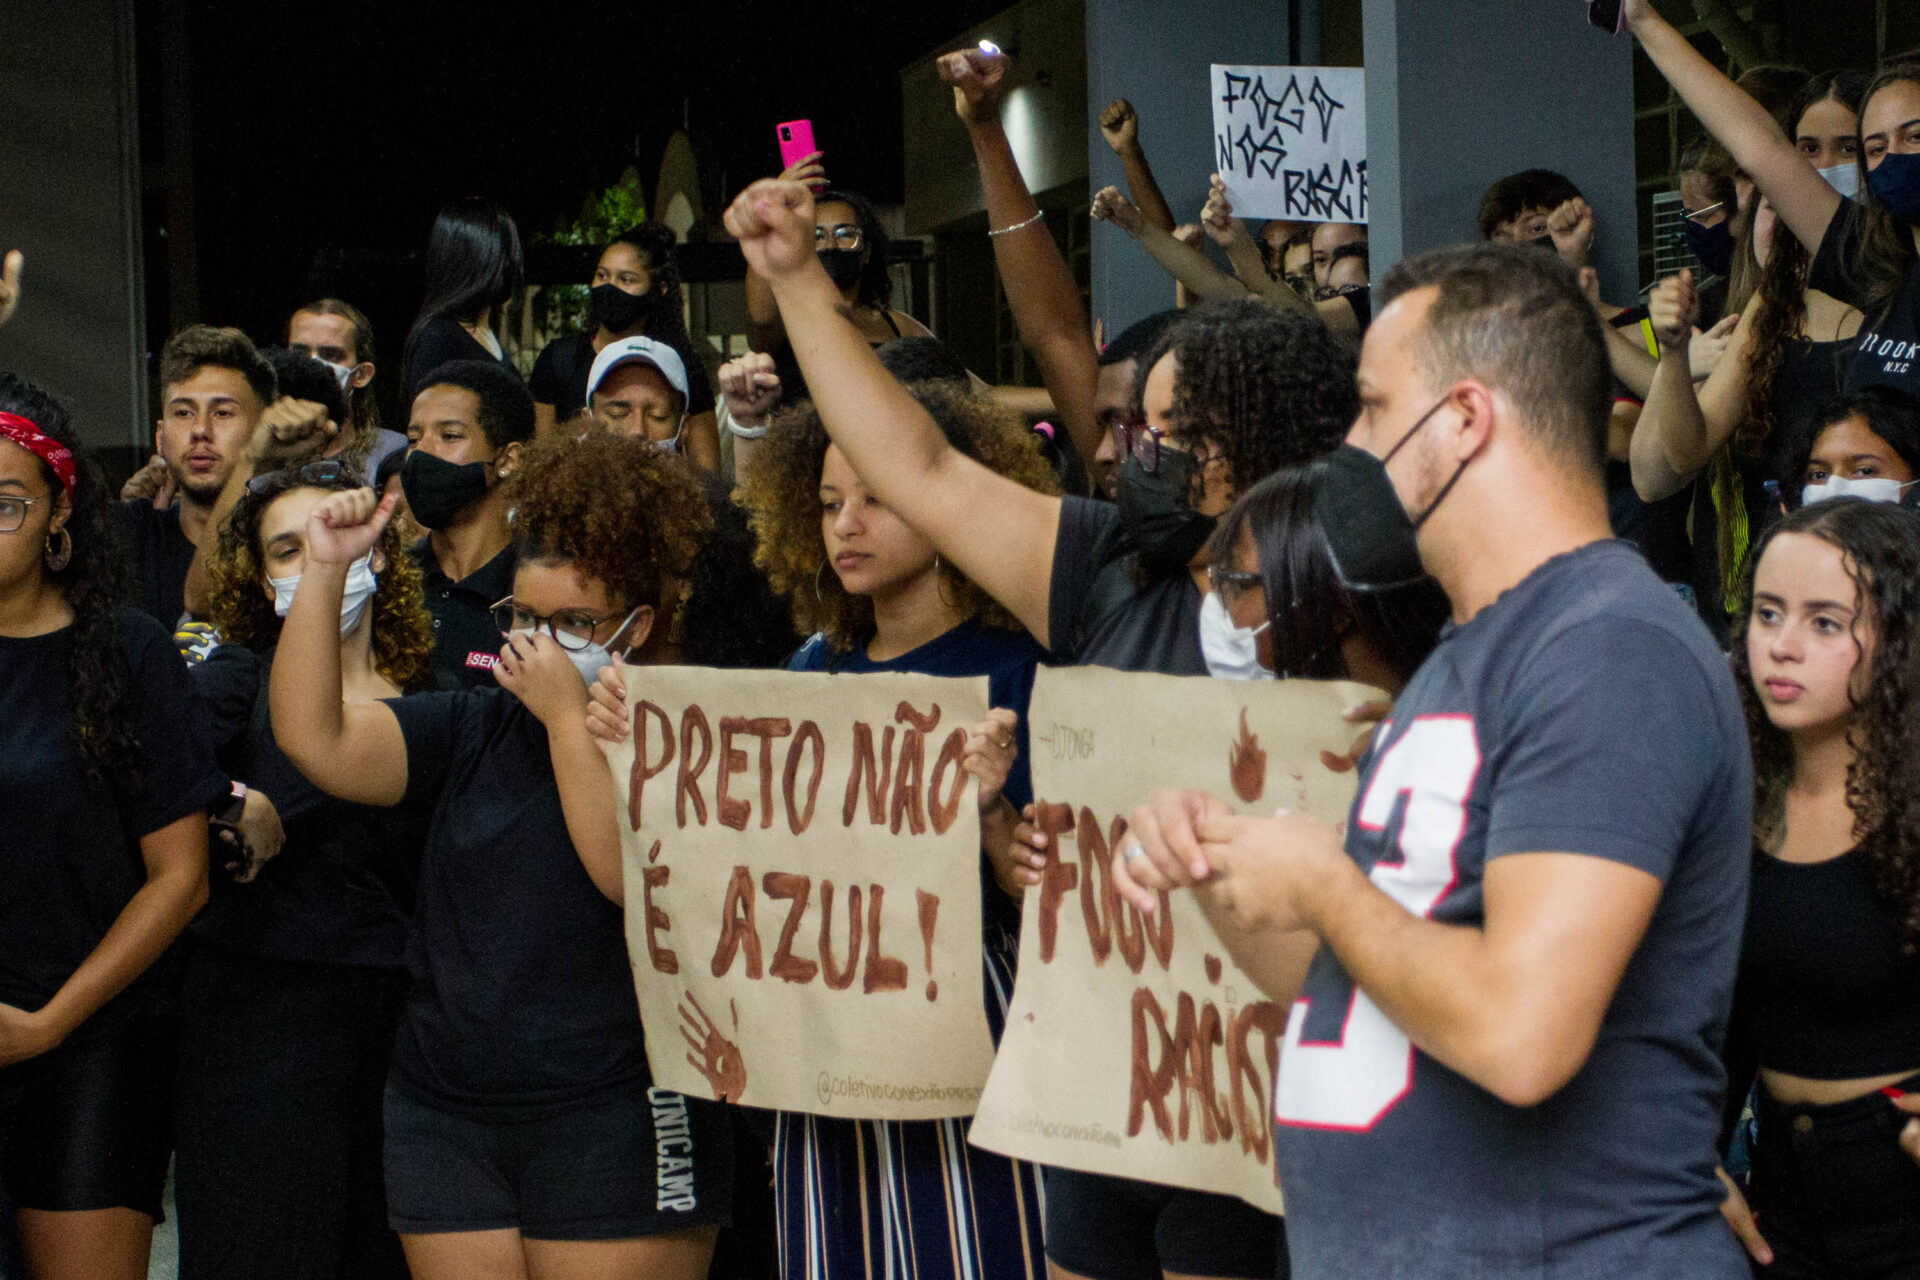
(243, 613)
(781, 493)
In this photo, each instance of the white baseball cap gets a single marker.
(642, 351)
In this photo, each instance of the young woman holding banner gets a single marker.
(520, 1117)
(1231, 392)
(869, 1199)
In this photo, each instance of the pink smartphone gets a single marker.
(796, 142)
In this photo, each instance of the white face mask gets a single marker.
(1232, 653)
(361, 584)
(1844, 178)
(341, 372)
(589, 660)
(1877, 489)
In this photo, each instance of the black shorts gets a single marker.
(1117, 1229)
(89, 1125)
(640, 1162)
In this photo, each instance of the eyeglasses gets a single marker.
(327, 471)
(845, 235)
(1143, 443)
(1231, 585)
(13, 512)
(571, 629)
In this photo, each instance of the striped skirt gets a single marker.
(907, 1200)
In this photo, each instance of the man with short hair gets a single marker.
(465, 434)
(215, 385)
(638, 387)
(1503, 1059)
(1113, 395)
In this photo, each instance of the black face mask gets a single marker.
(1712, 245)
(1166, 531)
(616, 310)
(438, 491)
(1370, 536)
(843, 267)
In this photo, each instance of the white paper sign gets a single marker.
(1291, 142)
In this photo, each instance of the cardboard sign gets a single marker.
(803, 888)
(1134, 1045)
(1291, 142)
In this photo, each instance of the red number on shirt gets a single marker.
(1351, 1082)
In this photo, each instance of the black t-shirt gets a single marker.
(466, 644)
(559, 376)
(1099, 615)
(441, 341)
(1585, 711)
(522, 994)
(1887, 349)
(341, 888)
(161, 556)
(69, 853)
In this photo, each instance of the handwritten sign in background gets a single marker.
(1291, 142)
(1135, 1047)
(803, 888)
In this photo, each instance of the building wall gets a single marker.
(1459, 96)
(69, 156)
(1156, 55)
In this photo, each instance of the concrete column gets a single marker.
(1156, 55)
(69, 153)
(1460, 94)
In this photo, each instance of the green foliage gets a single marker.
(603, 215)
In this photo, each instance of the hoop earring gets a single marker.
(58, 560)
(940, 585)
(819, 597)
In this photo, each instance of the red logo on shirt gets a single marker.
(483, 661)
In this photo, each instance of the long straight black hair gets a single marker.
(472, 267)
(1310, 611)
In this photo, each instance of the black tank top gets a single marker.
(1825, 990)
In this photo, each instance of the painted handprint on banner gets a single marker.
(1247, 763)
(714, 1056)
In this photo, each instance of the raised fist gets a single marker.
(1120, 126)
(1112, 205)
(1672, 307)
(750, 387)
(773, 221)
(976, 77)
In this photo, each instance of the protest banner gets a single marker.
(1134, 1046)
(803, 888)
(1291, 142)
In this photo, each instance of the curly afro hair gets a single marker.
(616, 508)
(1879, 544)
(95, 582)
(1272, 389)
(243, 613)
(781, 492)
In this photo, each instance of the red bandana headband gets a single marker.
(50, 451)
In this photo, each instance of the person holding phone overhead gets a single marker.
(853, 246)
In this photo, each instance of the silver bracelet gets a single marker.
(1018, 226)
(746, 433)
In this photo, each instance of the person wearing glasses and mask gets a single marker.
(853, 247)
(1229, 393)
(292, 992)
(468, 427)
(520, 1106)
